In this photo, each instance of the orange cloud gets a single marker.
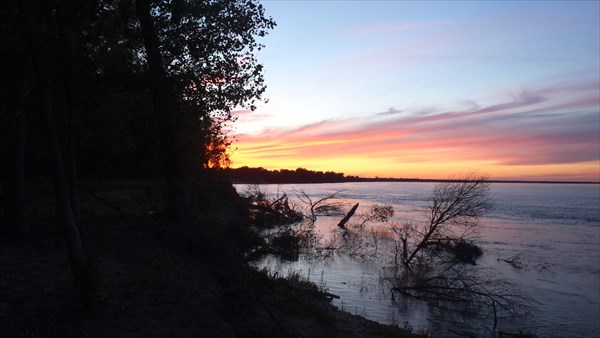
(549, 133)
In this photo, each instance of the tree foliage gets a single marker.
(208, 48)
(89, 92)
(207, 51)
(200, 63)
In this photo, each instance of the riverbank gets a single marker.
(155, 281)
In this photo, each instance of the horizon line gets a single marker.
(417, 179)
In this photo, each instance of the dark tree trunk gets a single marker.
(72, 156)
(165, 107)
(14, 82)
(61, 190)
(66, 60)
(59, 178)
(15, 207)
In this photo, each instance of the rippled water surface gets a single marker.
(553, 228)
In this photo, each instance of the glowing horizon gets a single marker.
(436, 92)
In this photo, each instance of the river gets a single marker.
(553, 229)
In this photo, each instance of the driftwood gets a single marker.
(342, 223)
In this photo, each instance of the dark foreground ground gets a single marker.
(154, 281)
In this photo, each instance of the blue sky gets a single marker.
(350, 67)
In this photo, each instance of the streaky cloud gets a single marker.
(557, 125)
(391, 111)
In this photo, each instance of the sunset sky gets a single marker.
(429, 90)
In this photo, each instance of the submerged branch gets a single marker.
(342, 223)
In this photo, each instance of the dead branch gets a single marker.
(312, 206)
(516, 262)
(342, 223)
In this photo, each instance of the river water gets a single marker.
(553, 229)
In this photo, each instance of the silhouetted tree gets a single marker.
(435, 255)
(201, 66)
(39, 33)
(459, 203)
(14, 91)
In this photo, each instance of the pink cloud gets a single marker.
(531, 128)
(247, 115)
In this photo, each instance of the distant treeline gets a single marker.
(300, 175)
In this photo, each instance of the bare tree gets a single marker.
(459, 203)
(429, 258)
(314, 206)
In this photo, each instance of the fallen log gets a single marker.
(342, 223)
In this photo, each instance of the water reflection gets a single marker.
(554, 229)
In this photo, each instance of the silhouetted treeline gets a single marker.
(261, 175)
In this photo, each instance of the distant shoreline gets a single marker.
(437, 180)
(407, 180)
(246, 175)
